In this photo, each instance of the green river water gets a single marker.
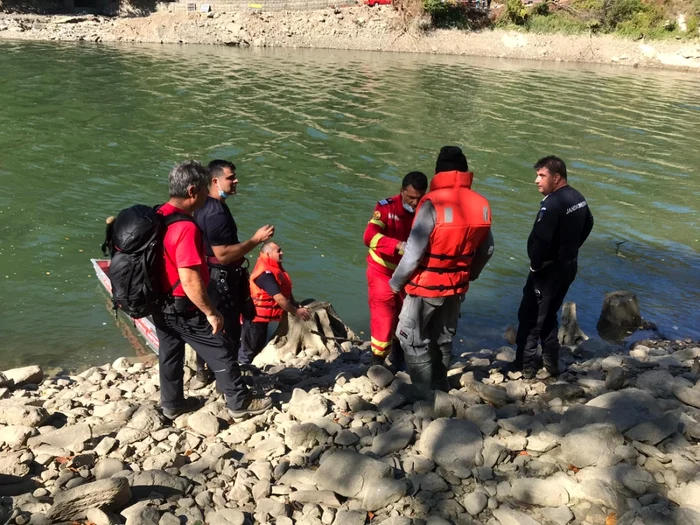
(318, 137)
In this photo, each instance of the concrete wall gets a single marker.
(261, 5)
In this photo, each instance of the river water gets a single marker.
(318, 137)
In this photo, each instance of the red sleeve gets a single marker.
(375, 236)
(187, 240)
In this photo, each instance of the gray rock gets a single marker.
(620, 477)
(70, 437)
(689, 396)
(272, 507)
(559, 515)
(628, 407)
(477, 414)
(451, 443)
(15, 463)
(687, 495)
(382, 493)
(564, 391)
(541, 492)
(305, 435)
(15, 436)
(330, 426)
(615, 378)
(542, 442)
(100, 517)
(380, 376)
(147, 481)
(316, 497)
(590, 445)
(346, 438)
(432, 482)
(348, 473)
(517, 425)
(350, 517)
(110, 494)
(304, 405)
(659, 383)
(27, 375)
(397, 438)
(203, 422)
(142, 513)
(391, 402)
(22, 415)
(475, 502)
(147, 418)
(226, 517)
(508, 516)
(654, 431)
(268, 449)
(493, 452)
(107, 467)
(168, 518)
(496, 395)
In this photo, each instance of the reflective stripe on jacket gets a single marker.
(390, 224)
(266, 308)
(463, 221)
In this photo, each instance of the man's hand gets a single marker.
(303, 313)
(401, 247)
(264, 234)
(216, 320)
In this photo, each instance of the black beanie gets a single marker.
(451, 158)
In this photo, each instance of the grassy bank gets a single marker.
(651, 19)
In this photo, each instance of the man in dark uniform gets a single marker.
(225, 255)
(562, 226)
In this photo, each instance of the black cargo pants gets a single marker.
(174, 330)
(543, 295)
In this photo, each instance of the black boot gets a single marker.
(376, 360)
(551, 364)
(420, 368)
(441, 364)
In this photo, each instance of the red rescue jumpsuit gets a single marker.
(390, 225)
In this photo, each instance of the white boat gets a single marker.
(144, 326)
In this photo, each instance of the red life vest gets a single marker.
(463, 221)
(266, 308)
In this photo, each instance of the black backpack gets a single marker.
(135, 241)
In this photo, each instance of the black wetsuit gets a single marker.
(562, 226)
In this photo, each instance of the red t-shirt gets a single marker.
(183, 247)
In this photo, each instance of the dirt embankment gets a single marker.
(357, 28)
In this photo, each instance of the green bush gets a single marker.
(516, 13)
(693, 23)
(556, 23)
(447, 14)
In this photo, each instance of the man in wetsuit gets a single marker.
(271, 291)
(225, 256)
(561, 227)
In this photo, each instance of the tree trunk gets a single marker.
(322, 334)
(570, 332)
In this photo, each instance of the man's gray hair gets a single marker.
(185, 175)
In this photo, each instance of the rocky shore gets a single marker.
(613, 441)
(355, 28)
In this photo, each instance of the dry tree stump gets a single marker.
(321, 335)
(570, 332)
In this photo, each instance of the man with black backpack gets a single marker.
(188, 316)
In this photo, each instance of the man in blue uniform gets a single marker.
(561, 227)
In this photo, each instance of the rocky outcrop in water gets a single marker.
(616, 433)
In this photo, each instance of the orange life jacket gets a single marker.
(266, 308)
(463, 221)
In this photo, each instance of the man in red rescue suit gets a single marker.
(449, 245)
(271, 290)
(385, 236)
